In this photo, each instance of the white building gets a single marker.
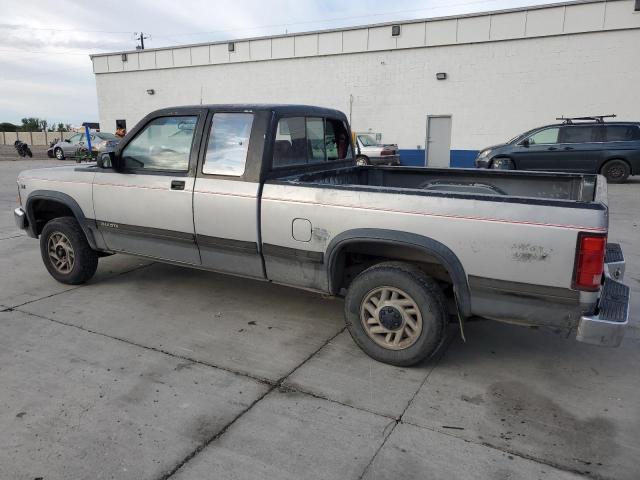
(505, 72)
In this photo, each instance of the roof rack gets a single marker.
(597, 118)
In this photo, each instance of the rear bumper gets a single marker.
(386, 160)
(608, 325)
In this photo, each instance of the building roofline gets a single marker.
(358, 27)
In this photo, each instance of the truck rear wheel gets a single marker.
(66, 253)
(396, 313)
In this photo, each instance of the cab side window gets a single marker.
(303, 141)
(163, 144)
(545, 137)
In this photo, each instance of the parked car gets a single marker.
(583, 145)
(370, 152)
(100, 142)
(409, 248)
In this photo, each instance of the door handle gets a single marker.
(177, 184)
(552, 148)
(568, 148)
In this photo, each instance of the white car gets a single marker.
(100, 142)
(370, 152)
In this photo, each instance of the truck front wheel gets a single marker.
(396, 313)
(66, 253)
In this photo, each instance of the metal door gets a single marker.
(438, 149)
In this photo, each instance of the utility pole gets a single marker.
(141, 38)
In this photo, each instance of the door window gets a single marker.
(163, 144)
(622, 133)
(576, 134)
(544, 137)
(75, 139)
(228, 144)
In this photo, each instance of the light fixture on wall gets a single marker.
(124, 57)
(232, 46)
(151, 91)
(441, 76)
(637, 7)
(395, 31)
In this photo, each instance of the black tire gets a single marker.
(85, 259)
(361, 160)
(616, 171)
(503, 163)
(58, 153)
(421, 289)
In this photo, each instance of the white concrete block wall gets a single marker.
(507, 72)
(493, 90)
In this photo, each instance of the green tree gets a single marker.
(30, 124)
(8, 127)
(42, 125)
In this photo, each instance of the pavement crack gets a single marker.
(81, 286)
(223, 430)
(435, 360)
(154, 349)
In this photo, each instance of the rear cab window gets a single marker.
(310, 140)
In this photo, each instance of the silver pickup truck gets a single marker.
(272, 192)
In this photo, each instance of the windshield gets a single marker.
(106, 136)
(523, 135)
(367, 140)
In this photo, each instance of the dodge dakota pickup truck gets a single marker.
(272, 192)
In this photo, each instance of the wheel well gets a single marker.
(44, 210)
(356, 257)
(497, 157)
(611, 160)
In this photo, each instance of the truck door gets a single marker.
(146, 208)
(227, 190)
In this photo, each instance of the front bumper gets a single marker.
(608, 325)
(20, 216)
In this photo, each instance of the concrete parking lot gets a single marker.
(153, 371)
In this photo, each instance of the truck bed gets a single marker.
(460, 182)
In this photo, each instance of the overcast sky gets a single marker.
(45, 69)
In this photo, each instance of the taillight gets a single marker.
(388, 152)
(589, 261)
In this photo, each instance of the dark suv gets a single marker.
(588, 146)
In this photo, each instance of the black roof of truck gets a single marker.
(280, 109)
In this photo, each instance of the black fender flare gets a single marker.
(63, 199)
(445, 256)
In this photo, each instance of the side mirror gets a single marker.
(67, 140)
(525, 142)
(105, 160)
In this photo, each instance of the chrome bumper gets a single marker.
(607, 327)
(20, 216)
